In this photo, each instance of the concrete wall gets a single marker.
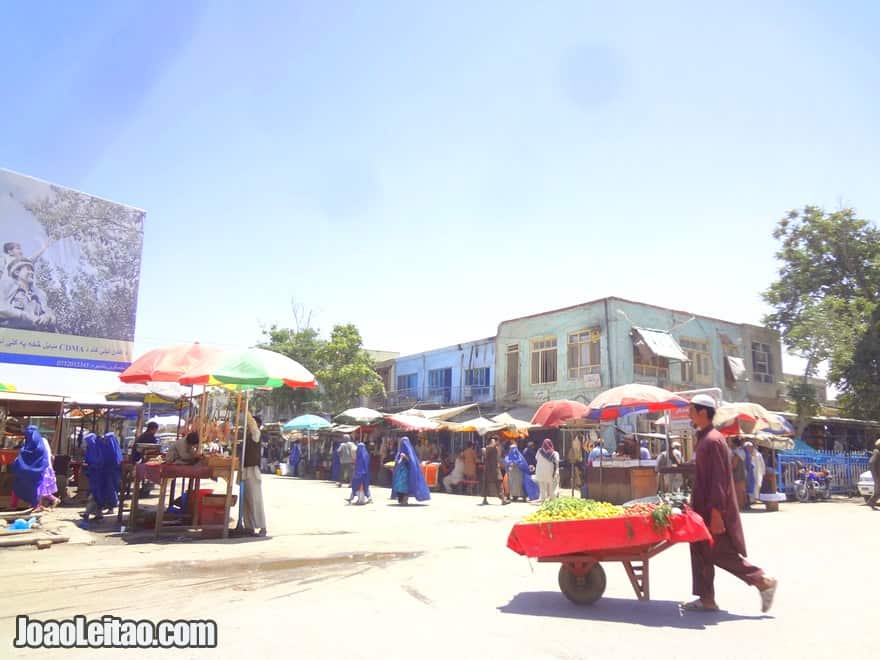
(614, 318)
(459, 358)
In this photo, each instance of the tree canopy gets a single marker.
(344, 370)
(826, 294)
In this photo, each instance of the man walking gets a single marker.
(347, 454)
(714, 498)
(874, 466)
(492, 473)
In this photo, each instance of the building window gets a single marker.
(440, 384)
(649, 366)
(699, 369)
(476, 384)
(762, 366)
(513, 369)
(544, 361)
(583, 353)
(407, 385)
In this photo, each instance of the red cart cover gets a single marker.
(603, 534)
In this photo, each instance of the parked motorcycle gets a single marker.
(812, 484)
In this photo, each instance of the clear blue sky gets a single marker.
(428, 170)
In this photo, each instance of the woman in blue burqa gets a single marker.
(335, 467)
(102, 466)
(295, 458)
(519, 477)
(29, 467)
(408, 479)
(360, 480)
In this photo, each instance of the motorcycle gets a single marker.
(813, 484)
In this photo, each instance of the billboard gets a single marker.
(69, 272)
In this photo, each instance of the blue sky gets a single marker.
(426, 170)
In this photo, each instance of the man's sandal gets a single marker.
(698, 606)
(767, 596)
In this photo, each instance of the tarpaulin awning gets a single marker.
(343, 428)
(413, 422)
(661, 344)
(440, 413)
(736, 367)
(479, 425)
(510, 421)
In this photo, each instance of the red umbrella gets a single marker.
(634, 398)
(167, 364)
(556, 413)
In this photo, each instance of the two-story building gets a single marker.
(462, 373)
(578, 351)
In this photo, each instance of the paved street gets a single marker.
(434, 581)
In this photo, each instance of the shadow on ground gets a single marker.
(654, 614)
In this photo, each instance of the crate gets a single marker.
(218, 499)
(217, 461)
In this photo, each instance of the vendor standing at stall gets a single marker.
(714, 498)
(252, 512)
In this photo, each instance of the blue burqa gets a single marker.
(28, 468)
(361, 475)
(334, 466)
(102, 469)
(515, 457)
(295, 458)
(417, 485)
(113, 458)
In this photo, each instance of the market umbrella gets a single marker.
(556, 413)
(168, 363)
(251, 367)
(247, 369)
(306, 423)
(634, 398)
(7, 387)
(746, 417)
(358, 416)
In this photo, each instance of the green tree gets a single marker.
(346, 371)
(302, 345)
(826, 291)
(860, 381)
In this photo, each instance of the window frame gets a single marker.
(545, 364)
(573, 349)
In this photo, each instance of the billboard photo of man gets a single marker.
(69, 275)
(23, 306)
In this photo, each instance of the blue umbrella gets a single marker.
(306, 423)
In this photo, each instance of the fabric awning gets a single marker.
(440, 413)
(736, 366)
(661, 344)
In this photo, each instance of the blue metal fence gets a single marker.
(845, 468)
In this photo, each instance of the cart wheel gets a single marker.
(583, 590)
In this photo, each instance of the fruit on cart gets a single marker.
(641, 509)
(574, 508)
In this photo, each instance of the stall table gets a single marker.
(621, 481)
(162, 473)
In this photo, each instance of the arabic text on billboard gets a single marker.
(69, 272)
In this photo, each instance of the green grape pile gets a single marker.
(574, 508)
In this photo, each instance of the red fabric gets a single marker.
(156, 471)
(713, 485)
(603, 534)
(167, 364)
(705, 557)
(556, 413)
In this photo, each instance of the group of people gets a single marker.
(23, 306)
(748, 467)
(33, 473)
